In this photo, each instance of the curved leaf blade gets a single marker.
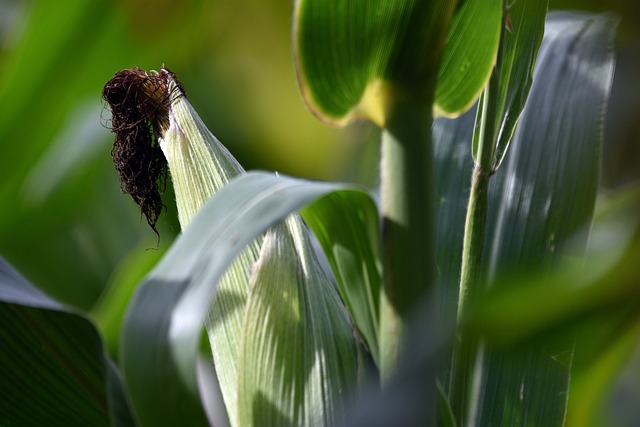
(468, 57)
(517, 58)
(53, 366)
(353, 58)
(163, 326)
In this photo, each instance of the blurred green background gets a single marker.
(64, 222)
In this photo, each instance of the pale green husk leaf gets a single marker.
(298, 361)
(200, 165)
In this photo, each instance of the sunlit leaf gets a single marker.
(298, 358)
(347, 227)
(354, 58)
(469, 55)
(163, 326)
(200, 166)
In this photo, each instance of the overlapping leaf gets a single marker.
(469, 56)
(594, 303)
(539, 200)
(520, 42)
(354, 58)
(348, 230)
(298, 359)
(164, 323)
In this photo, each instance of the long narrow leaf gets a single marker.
(520, 43)
(544, 198)
(596, 302)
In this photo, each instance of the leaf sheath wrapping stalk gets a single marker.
(200, 165)
(163, 328)
(539, 203)
(298, 355)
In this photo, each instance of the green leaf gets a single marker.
(516, 60)
(445, 413)
(52, 363)
(469, 56)
(298, 359)
(545, 197)
(163, 326)
(347, 226)
(539, 200)
(595, 301)
(354, 58)
(547, 192)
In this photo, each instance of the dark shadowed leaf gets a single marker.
(53, 366)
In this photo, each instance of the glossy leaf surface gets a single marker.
(354, 58)
(469, 56)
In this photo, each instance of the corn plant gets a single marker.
(463, 291)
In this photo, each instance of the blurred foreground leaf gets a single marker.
(595, 304)
(53, 368)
